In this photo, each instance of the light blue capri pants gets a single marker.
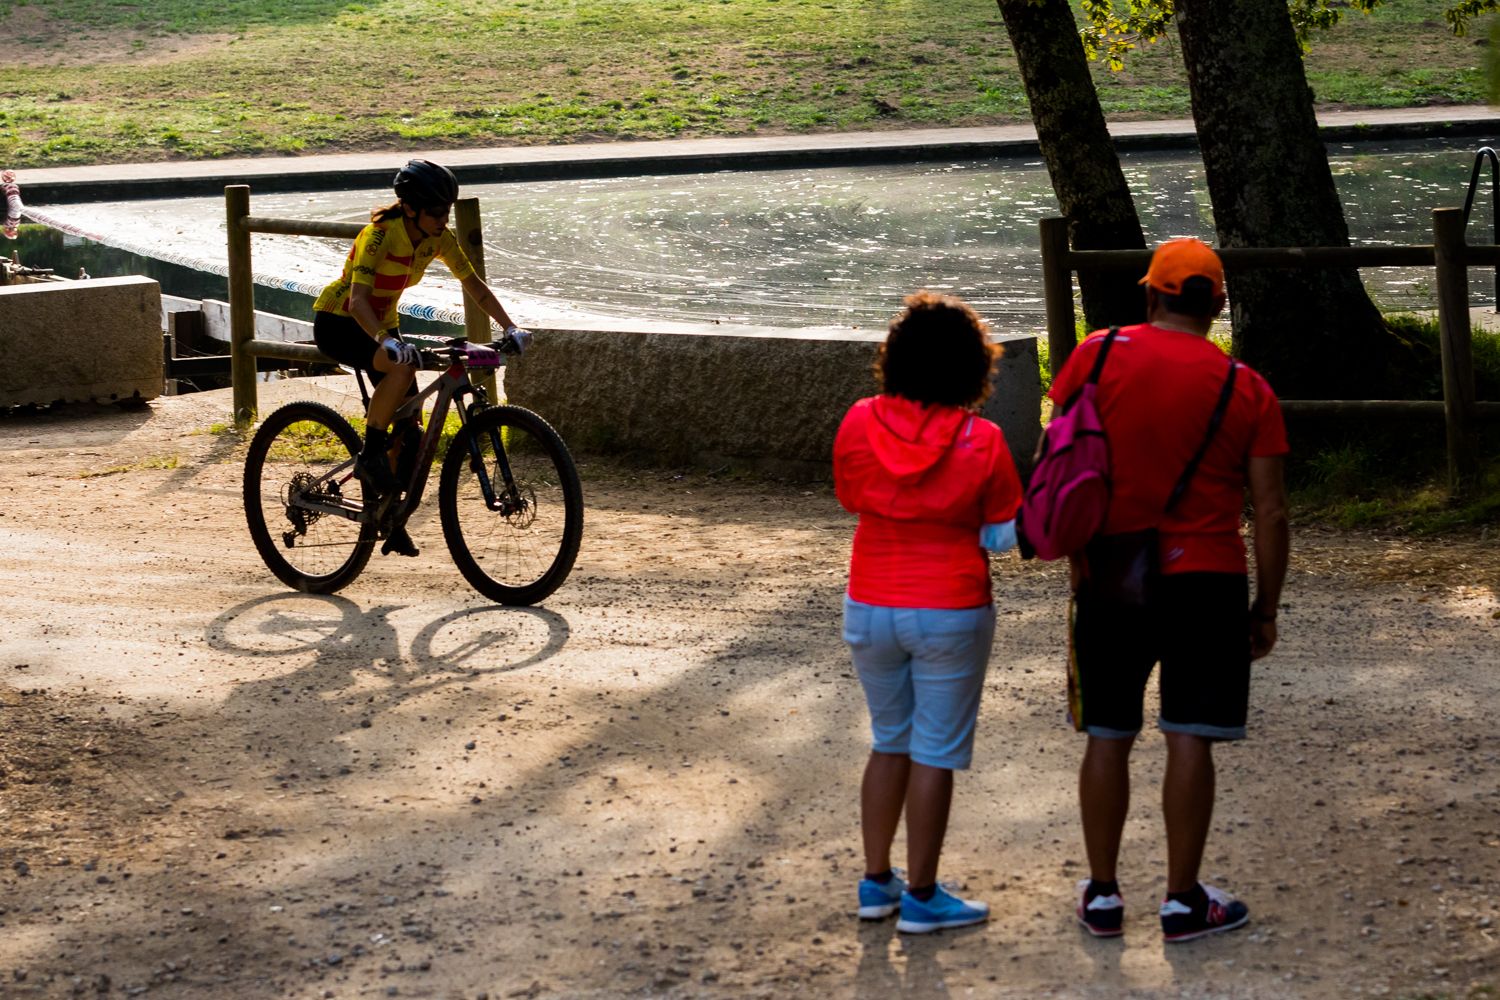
(923, 671)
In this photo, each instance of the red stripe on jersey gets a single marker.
(403, 261)
(388, 281)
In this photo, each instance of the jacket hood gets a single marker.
(908, 438)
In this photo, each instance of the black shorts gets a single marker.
(1198, 628)
(345, 341)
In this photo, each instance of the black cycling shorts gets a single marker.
(1198, 629)
(345, 341)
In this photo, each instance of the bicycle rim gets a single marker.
(523, 552)
(291, 462)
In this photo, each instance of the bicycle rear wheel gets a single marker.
(521, 549)
(289, 466)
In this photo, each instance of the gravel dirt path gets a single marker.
(212, 787)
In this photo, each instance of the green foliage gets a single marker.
(1459, 15)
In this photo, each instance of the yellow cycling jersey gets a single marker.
(384, 259)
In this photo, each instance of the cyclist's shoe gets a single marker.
(942, 910)
(1101, 915)
(1216, 911)
(373, 468)
(878, 900)
(400, 543)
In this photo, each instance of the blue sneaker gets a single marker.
(878, 900)
(942, 910)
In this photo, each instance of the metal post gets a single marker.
(471, 237)
(1057, 292)
(1457, 348)
(1486, 153)
(241, 303)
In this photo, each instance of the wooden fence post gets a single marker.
(1457, 348)
(1057, 293)
(241, 303)
(471, 237)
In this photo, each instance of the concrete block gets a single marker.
(74, 341)
(769, 398)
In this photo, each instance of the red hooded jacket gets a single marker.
(923, 480)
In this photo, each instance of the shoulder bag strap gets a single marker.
(1213, 428)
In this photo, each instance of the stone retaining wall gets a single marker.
(77, 341)
(771, 399)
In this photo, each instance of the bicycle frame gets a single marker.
(453, 387)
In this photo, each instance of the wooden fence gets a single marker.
(1449, 254)
(245, 349)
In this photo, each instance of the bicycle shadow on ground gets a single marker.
(332, 641)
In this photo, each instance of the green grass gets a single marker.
(1356, 474)
(308, 441)
(151, 462)
(88, 81)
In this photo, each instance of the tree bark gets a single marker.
(1078, 150)
(1313, 334)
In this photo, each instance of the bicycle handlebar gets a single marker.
(458, 349)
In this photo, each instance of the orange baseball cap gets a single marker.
(1178, 260)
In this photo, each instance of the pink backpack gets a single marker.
(1068, 494)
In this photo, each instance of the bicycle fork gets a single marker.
(510, 501)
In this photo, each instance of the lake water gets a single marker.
(833, 247)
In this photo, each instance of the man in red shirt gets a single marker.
(1160, 384)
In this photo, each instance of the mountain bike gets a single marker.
(508, 494)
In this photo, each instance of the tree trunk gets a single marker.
(1079, 153)
(1313, 334)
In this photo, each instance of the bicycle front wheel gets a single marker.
(515, 544)
(300, 505)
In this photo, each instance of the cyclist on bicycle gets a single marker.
(355, 319)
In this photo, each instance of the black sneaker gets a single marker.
(1101, 916)
(1218, 912)
(400, 543)
(374, 470)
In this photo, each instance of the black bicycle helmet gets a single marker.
(424, 184)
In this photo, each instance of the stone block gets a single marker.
(772, 399)
(75, 341)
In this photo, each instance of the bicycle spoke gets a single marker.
(521, 551)
(298, 469)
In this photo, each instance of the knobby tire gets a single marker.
(523, 556)
(303, 435)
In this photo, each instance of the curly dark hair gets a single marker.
(937, 351)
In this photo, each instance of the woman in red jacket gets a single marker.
(934, 486)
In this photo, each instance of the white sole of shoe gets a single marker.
(919, 927)
(1195, 935)
(1096, 932)
(878, 912)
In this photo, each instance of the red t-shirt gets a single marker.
(923, 480)
(1156, 394)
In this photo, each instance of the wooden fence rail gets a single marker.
(1449, 254)
(244, 348)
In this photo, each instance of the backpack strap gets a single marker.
(1094, 373)
(1098, 369)
(1225, 394)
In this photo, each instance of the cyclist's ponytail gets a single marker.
(391, 211)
